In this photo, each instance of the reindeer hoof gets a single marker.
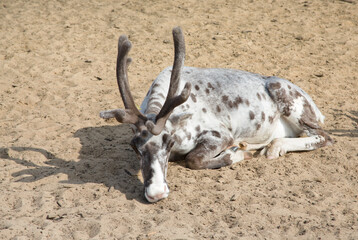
(243, 145)
(275, 149)
(234, 148)
(247, 155)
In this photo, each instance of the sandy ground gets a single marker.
(67, 174)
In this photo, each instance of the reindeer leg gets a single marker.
(215, 151)
(299, 114)
(279, 146)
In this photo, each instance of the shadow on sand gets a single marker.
(353, 116)
(105, 157)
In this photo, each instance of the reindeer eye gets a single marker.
(144, 133)
(171, 144)
(168, 142)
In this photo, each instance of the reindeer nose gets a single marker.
(153, 195)
(156, 197)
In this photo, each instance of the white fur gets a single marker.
(230, 83)
(158, 189)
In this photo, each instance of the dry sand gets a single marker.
(67, 174)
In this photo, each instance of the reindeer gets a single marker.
(218, 117)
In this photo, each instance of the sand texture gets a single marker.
(67, 174)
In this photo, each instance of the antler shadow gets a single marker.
(105, 157)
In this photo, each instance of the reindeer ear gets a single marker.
(180, 118)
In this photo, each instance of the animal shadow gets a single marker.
(105, 158)
(353, 116)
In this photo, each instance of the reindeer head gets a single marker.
(151, 142)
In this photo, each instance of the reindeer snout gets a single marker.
(154, 193)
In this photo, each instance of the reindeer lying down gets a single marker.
(216, 119)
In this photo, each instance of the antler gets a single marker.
(131, 114)
(172, 101)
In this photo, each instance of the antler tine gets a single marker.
(158, 127)
(121, 40)
(179, 57)
(131, 113)
(124, 45)
(172, 101)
